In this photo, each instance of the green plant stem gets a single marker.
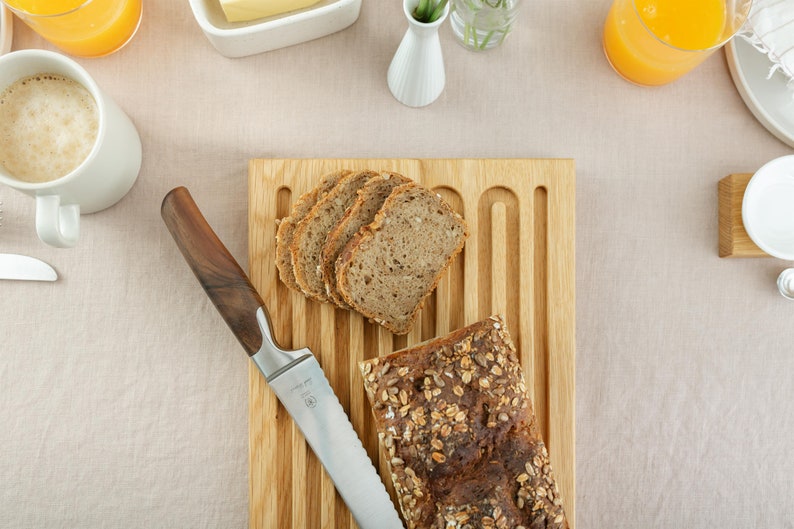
(472, 37)
(419, 12)
(429, 10)
(438, 10)
(486, 39)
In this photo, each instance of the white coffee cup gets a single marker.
(106, 174)
(768, 208)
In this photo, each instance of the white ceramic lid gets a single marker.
(768, 208)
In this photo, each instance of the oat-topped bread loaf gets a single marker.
(387, 270)
(361, 213)
(310, 233)
(286, 226)
(454, 416)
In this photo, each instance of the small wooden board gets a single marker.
(518, 262)
(733, 238)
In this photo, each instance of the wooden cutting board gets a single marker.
(518, 261)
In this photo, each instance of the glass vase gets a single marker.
(480, 25)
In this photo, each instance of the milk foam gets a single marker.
(48, 125)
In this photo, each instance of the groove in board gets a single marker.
(518, 261)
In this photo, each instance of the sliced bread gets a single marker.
(311, 232)
(286, 226)
(387, 270)
(360, 214)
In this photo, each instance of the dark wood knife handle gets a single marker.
(225, 282)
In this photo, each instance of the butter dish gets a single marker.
(240, 39)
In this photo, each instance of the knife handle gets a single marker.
(224, 281)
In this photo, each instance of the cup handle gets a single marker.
(57, 225)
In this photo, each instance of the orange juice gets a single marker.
(653, 42)
(87, 28)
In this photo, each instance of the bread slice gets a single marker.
(387, 270)
(463, 444)
(286, 226)
(360, 214)
(310, 233)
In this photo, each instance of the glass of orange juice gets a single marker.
(86, 28)
(654, 42)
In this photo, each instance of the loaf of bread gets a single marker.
(286, 226)
(388, 269)
(310, 233)
(463, 446)
(369, 201)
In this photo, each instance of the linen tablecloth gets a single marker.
(123, 395)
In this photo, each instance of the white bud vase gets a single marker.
(416, 74)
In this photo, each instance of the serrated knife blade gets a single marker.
(25, 268)
(294, 376)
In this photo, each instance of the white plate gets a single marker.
(770, 100)
(768, 208)
(6, 29)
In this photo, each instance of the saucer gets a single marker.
(768, 208)
(770, 100)
(6, 29)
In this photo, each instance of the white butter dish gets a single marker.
(240, 39)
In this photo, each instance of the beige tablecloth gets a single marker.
(123, 396)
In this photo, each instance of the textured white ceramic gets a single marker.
(768, 208)
(240, 39)
(104, 177)
(416, 75)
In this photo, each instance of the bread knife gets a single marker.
(294, 376)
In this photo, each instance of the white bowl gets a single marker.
(6, 29)
(768, 208)
(240, 39)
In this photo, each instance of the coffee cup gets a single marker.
(72, 149)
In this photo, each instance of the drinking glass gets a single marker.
(85, 28)
(654, 42)
(482, 24)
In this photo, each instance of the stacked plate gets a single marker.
(761, 66)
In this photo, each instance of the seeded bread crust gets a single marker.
(389, 268)
(463, 445)
(286, 226)
(311, 232)
(361, 213)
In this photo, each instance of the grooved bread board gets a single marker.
(518, 261)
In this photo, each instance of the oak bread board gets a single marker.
(518, 261)
(733, 238)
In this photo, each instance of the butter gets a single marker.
(244, 10)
